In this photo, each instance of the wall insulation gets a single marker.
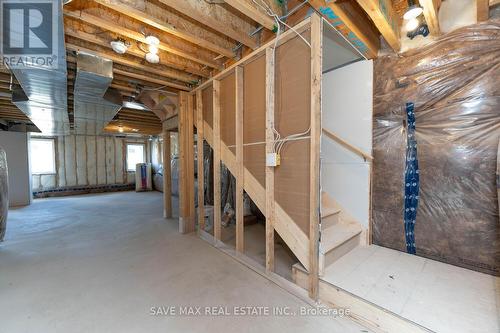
(454, 85)
(86, 161)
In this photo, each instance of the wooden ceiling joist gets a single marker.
(171, 23)
(250, 9)
(217, 18)
(150, 79)
(382, 14)
(353, 23)
(431, 8)
(134, 50)
(139, 37)
(74, 45)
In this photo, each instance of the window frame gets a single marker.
(45, 173)
(144, 157)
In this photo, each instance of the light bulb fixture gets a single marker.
(120, 129)
(152, 40)
(119, 46)
(412, 24)
(153, 49)
(152, 58)
(413, 10)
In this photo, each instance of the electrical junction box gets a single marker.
(272, 160)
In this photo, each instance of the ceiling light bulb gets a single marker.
(153, 49)
(412, 24)
(412, 12)
(119, 46)
(120, 129)
(152, 58)
(152, 40)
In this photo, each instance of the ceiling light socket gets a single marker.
(119, 46)
(413, 12)
(152, 58)
(153, 49)
(152, 40)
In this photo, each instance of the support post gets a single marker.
(167, 175)
(190, 162)
(201, 175)
(217, 160)
(240, 227)
(270, 211)
(314, 202)
(186, 174)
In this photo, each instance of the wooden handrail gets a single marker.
(347, 145)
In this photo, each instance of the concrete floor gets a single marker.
(98, 263)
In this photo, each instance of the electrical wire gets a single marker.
(279, 143)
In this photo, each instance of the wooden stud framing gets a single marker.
(240, 227)
(167, 174)
(483, 10)
(134, 35)
(247, 7)
(382, 14)
(190, 163)
(284, 37)
(314, 199)
(431, 15)
(270, 205)
(217, 18)
(359, 29)
(183, 29)
(217, 159)
(201, 174)
(186, 178)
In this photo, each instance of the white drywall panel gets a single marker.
(347, 112)
(16, 148)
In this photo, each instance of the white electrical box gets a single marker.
(272, 160)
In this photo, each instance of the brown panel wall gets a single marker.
(292, 116)
(254, 118)
(227, 111)
(208, 105)
(454, 85)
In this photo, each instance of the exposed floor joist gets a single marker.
(217, 18)
(169, 22)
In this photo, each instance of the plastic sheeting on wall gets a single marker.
(4, 193)
(455, 86)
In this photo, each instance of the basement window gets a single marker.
(42, 155)
(135, 154)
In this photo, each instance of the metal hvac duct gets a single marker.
(44, 94)
(95, 104)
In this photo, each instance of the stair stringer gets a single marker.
(289, 231)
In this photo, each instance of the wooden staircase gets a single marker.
(340, 233)
(287, 229)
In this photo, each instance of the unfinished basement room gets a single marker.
(250, 166)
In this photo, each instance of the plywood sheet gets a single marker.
(208, 105)
(227, 111)
(292, 116)
(254, 118)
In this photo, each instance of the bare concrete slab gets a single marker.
(100, 263)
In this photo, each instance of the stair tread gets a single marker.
(328, 211)
(338, 234)
(327, 206)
